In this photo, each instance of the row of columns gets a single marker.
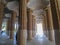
(55, 21)
(31, 23)
(51, 22)
(45, 26)
(25, 23)
(22, 31)
(48, 25)
(25, 20)
(11, 24)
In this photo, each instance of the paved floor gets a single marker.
(38, 40)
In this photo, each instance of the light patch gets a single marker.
(37, 4)
(39, 29)
(13, 6)
(38, 12)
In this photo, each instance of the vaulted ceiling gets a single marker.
(36, 6)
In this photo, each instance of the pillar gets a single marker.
(29, 24)
(57, 3)
(49, 24)
(22, 31)
(1, 14)
(44, 26)
(12, 25)
(55, 21)
(8, 27)
(45, 30)
(34, 26)
(51, 31)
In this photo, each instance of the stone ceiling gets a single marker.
(35, 5)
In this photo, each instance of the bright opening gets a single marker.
(39, 29)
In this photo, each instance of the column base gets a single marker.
(29, 35)
(34, 33)
(21, 37)
(57, 37)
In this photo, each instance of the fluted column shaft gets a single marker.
(29, 24)
(49, 23)
(12, 25)
(22, 31)
(45, 28)
(33, 26)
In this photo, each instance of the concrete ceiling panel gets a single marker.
(38, 12)
(37, 4)
(13, 6)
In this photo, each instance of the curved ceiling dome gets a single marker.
(39, 17)
(39, 20)
(13, 6)
(38, 12)
(37, 4)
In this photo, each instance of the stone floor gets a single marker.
(38, 40)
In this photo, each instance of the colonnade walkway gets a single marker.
(38, 40)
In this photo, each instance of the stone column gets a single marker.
(29, 24)
(33, 26)
(51, 31)
(45, 26)
(22, 31)
(1, 14)
(48, 24)
(57, 3)
(12, 24)
(55, 22)
(8, 27)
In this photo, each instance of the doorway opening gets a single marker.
(39, 29)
